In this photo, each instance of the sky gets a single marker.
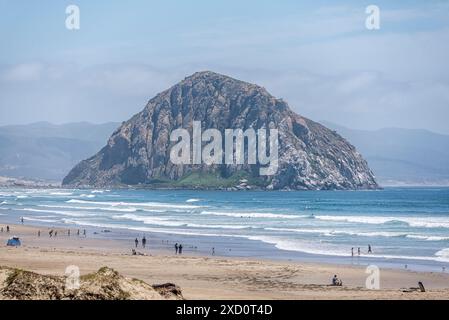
(316, 55)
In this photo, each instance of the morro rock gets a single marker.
(311, 157)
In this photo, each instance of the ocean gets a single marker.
(405, 227)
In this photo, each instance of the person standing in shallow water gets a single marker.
(180, 249)
(176, 248)
(369, 249)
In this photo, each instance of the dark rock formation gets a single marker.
(311, 157)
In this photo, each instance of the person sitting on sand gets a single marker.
(336, 281)
(133, 252)
(136, 241)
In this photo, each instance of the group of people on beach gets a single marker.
(7, 229)
(178, 248)
(144, 242)
(359, 251)
(54, 233)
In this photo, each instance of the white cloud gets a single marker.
(23, 72)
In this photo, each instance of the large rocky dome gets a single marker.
(311, 157)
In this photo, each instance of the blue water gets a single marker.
(402, 225)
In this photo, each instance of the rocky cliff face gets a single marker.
(311, 157)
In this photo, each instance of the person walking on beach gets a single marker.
(358, 251)
(68, 232)
(38, 233)
(7, 229)
(136, 242)
(21, 220)
(213, 251)
(180, 249)
(176, 248)
(50, 233)
(2, 229)
(144, 242)
(369, 249)
(56, 233)
(352, 252)
(78, 233)
(84, 232)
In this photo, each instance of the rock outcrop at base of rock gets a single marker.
(105, 284)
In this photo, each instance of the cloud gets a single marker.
(322, 61)
(23, 72)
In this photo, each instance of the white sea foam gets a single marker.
(300, 230)
(443, 255)
(430, 222)
(3, 202)
(61, 193)
(332, 232)
(217, 226)
(333, 250)
(427, 238)
(147, 229)
(89, 208)
(97, 191)
(149, 220)
(137, 204)
(192, 200)
(253, 215)
(64, 213)
(22, 197)
(40, 220)
(87, 196)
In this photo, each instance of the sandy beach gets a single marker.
(202, 277)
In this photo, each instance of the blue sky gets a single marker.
(316, 55)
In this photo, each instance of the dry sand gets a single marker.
(211, 278)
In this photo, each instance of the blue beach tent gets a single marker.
(13, 242)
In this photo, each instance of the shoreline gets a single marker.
(210, 277)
